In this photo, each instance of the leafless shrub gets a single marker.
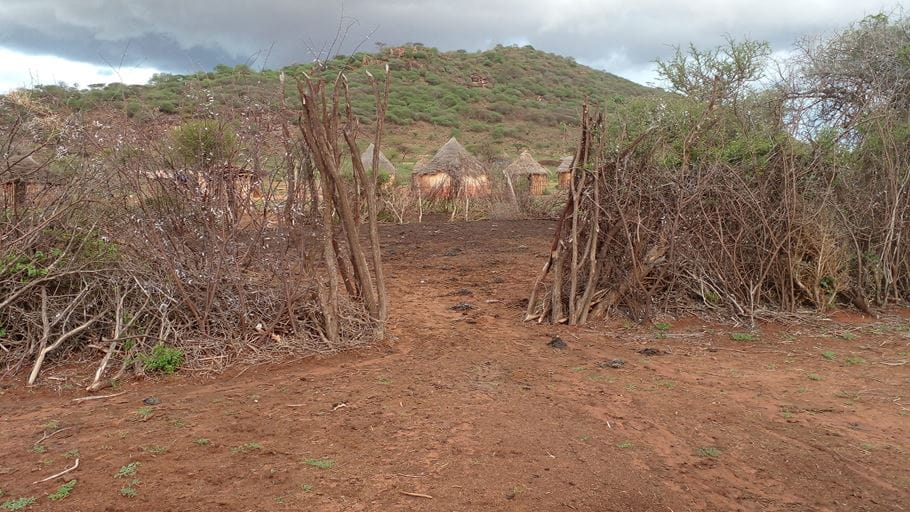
(188, 239)
(748, 203)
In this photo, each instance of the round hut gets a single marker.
(526, 168)
(23, 181)
(564, 172)
(385, 165)
(452, 172)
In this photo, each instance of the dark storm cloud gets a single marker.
(152, 50)
(188, 35)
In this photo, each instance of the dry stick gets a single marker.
(417, 495)
(65, 471)
(72, 332)
(381, 291)
(96, 383)
(48, 436)
(99, 397)
(327, 143)
(577, 184)
(370, 185)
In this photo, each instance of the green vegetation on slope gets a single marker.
(496, 100)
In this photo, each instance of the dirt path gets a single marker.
(474, 409)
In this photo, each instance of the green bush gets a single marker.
(163, 359)
(133, 108)
(167, 107)
(203, 142)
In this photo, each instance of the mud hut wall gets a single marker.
(435, 185)
(537, 184)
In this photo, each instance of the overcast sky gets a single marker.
(90, 41)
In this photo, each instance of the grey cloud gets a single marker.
(188, 35)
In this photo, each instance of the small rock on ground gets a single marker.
(557, 343)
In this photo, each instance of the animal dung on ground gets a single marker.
(612, 363)
(652, 352)
(462, 306)
(557, 342)
(152, 400)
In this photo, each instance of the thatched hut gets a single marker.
(385, 165)
(451, 172)
(387, 170)
(237, 184)
(526, 168)
(23, 181)
(564, 172)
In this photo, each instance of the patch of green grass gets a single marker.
(39, 448)
(854, 361)
(129, 492)
(868, 447)
(708, 451)
(202, 441)
(163, 359)
(307, 488)
(514, 492)
(128, 470)
(144, 413)
(246, 447)
(321, 463)
(847, 335)
(155, 449)
(625, 445)
(18, 503)
(786, 414)
(803, 389)
(178, 423)
(71, 454)
(815, 377)
(384, 380)
(662, 326)
(830, 356)
(584, 438)
(667, 384)
(742, 336)
(63, 491)
(52, 425)
(2, 493)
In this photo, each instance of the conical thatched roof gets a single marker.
(454, 159)
(524, 165)
(565, 165)
(385, 164)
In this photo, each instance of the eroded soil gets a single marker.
(475, 411)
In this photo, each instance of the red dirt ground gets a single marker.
(478, 412)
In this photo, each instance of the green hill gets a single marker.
(495, 101)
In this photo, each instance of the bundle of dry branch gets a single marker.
(188, 240)
(641, 236)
